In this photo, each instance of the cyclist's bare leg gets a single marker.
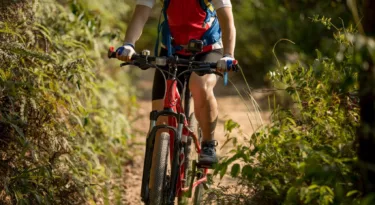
(205, 105)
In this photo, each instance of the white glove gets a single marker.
(125, 52)
(225, 64)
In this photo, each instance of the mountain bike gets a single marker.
(165, 180)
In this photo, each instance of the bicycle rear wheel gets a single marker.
(158, 179)
(191, 155)
(198, 194)
(199, 190)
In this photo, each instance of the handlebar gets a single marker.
(146, 59)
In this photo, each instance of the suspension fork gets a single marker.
(148, 158)
(150, 141)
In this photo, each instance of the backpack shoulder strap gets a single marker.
(206, 5)
(163, 28)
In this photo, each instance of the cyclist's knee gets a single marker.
(202, 87)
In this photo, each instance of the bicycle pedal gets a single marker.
(208, 166)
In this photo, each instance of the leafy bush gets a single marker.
(261, 23)
(63, 123)
(306, 154)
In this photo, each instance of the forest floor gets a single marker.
(230, 107)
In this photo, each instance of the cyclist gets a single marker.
(208, 20)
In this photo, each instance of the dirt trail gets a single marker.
(230, 107)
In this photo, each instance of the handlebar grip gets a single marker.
(112, 54)
(234, 67)
(213, 65)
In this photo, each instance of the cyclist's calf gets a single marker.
(205, 105)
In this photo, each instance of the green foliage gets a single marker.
(262, 23)
(63, 119)
(306, 154)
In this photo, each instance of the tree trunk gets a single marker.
(366, 132)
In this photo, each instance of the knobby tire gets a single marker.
(158, 170)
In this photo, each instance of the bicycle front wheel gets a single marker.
(158, 180)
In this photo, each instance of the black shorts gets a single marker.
(158, 87)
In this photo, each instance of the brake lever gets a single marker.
(235, 68)
(225, 78)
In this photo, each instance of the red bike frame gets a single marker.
(173, 109)
(172, 101)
